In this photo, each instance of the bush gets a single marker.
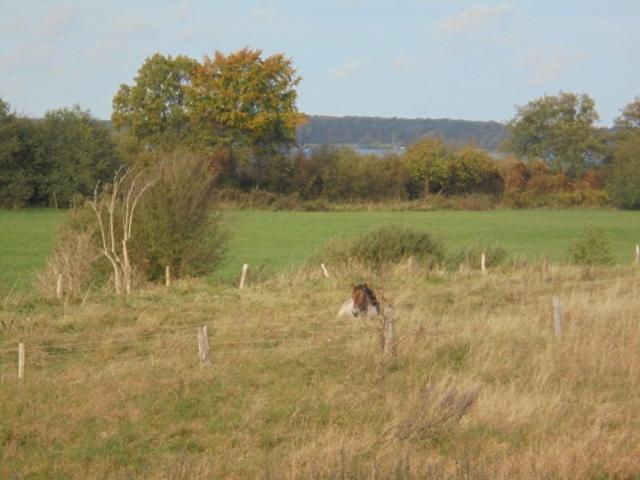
(76, 256)
(175, 224)
(472, 170)
(469, 255)
(172, 225)
(592, 247)
(384, 245)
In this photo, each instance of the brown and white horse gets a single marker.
(363, 303)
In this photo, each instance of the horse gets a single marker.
(363, 302)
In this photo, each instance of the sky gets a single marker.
(473, 60)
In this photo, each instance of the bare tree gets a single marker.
(118, 204)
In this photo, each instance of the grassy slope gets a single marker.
(26, 237)
(279, 239)
(275, 240)
(114, 389)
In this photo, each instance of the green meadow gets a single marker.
(271, 241)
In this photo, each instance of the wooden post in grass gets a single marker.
(59, 286)
(557, 316)
(20, 361)
(324, 270)
(389, 331)
(243, 277)
(637, 253)
(483, 263)
(203, 346)
(167, 276)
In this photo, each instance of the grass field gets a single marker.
(26, 238)
(271, 241)
(478, 387)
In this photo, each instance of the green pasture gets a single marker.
(271, 241)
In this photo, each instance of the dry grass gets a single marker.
(479, 388)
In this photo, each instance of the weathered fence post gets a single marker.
(483, 263)
(324, 270)
(243, 277)
(203, 346)
(389, 331)
(167, 276)
(557, 316)
(59, 286)
(20, 361)
(637, 253)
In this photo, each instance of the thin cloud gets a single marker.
(29, 57)
(347, 69)
(264, 14)
(58, 21)
(473, 19)
(129, 24)
(102, 52)
(406, 63)
(183, 10)
(548, 66)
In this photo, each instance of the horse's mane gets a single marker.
(363, 296)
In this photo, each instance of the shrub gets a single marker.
(592, 247)
(175, 224)
(472, 170)
(437, 168)
(469, 255)
(381, 246)
(76, 256)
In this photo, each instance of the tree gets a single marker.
(630, 118)
(242, 99)
(114, 211)
(427, 163)
(154, 108)
(559, 130)
(17, 159)
(623, 185)
(76, 151)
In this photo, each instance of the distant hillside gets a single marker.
(399, 131)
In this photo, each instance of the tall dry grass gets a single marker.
(480, 387)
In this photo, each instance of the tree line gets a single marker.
(238, 114)
(325, 130)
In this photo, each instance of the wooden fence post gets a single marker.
(557, 316)
(637, 253)
(324, 270)
(243, 277)
(483, 263)
(203, 346)
(20, 361)
(389, 331)
(59, 286)
(167, 276)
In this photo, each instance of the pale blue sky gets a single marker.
(464, 59)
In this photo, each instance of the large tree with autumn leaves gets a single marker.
(240, 107)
